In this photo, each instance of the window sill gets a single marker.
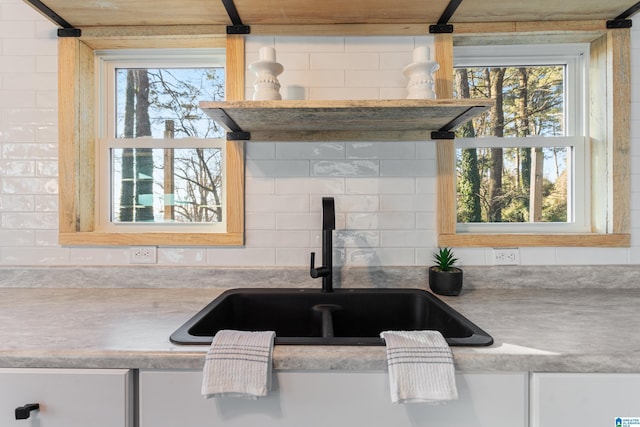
(154, 239)
(620, 240)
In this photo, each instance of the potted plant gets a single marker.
(444, 277)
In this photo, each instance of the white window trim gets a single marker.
(576, 58)
(106, 64)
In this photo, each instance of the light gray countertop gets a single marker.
(573, 330)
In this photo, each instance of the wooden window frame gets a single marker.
(610, 105)
(77, 136)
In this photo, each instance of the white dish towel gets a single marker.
(421, 367)
(238, 364)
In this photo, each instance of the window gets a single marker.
(160, 157)
(80, 139)
(523, 166)
(606, 136)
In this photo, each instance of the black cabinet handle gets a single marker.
(23, 412)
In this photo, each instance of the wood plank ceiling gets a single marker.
(89, 13)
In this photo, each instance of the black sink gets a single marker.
(342, 317)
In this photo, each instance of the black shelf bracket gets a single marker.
(442, 134)
(69, 32)
(238, 136)
(235, 132)
(237, 26)
(443, 27)
(622, 20)
(67, 29)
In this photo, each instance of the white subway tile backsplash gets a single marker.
(393, 93)
(356, 239)
(277, 203)
(278, 239)
(346, 168)
(426, 184)
(99, 256)
(357, 203)
(402, 203)
(381, 150)
(17, 29)
(47, 100)
(277, 168)
(589, 256)
(537, 256)
(392, 167)
(241, 257)
(407, 238)
(298, 221)
(24, 220)
(426, 220)
(344, 61)
(374, 78)
(380, 257)
(15, 64)
(310, 150)
(46, 168)
(29, 186)
(313, 78)
(41, 256)
(45, 203)
(378, 44)
(395, 60)
(46, 237)
(262, 150)
(265, 185)
(381, 186)
(343, 93)
(10, 238)
(309, 44)
(17, 168)
(16, 98)
(259, 221)
(182, 256)
(29, 151)
(29, 47)
(383, 221)
(310, 186)
(17, 202)
(426, 150)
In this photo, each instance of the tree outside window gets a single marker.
(166, 185)
(511, 181)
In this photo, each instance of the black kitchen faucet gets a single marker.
(328, 225)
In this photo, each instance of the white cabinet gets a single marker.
(331, 398)
(583, 399)
(67, 397)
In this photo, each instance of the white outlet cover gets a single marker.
(143, 255)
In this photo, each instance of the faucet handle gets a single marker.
(317, 272)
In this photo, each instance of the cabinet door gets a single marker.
(331, 398)
(583, 399)
(67, 397)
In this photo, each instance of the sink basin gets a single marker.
(343, 317)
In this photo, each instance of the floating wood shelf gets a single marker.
(371, 120)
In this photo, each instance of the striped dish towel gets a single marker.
(420, 367)
(238, 364)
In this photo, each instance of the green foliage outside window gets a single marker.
(513, 182)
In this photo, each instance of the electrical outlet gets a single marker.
(506, 256)
(143, 255)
